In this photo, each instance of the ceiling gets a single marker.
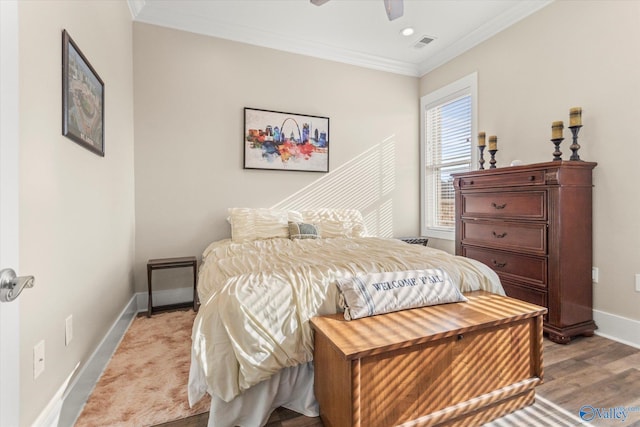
(356, 32)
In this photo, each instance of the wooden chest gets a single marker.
(452, 364)
(532, 225)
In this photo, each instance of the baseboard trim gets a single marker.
(84, 383)
(50, 416)
(617, 328)
(166, 297)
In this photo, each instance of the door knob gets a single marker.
(11, 285)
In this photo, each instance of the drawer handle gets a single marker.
(532, 178)
(498, 264)
(499, 236)
(502, 206)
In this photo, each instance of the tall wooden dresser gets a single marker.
(532, 224)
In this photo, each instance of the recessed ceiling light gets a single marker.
(407, 31)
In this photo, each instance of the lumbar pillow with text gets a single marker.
(379, 293)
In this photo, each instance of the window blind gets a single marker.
(448, 151)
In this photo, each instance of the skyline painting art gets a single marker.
(285, 141)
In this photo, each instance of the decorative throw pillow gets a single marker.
(303, 230)
(379, 293)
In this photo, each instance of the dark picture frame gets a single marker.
(277, 140)
(82, 98)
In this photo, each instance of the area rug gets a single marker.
(145, 382)
(543, 413)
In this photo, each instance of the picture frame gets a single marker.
(82, 98)
(277, 140)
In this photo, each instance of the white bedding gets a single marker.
(258, 296)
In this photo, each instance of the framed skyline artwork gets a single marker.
(82, 98)
(285, 141)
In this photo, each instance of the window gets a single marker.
(448, 123)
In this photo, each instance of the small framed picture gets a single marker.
(285, 141)
(82, 98)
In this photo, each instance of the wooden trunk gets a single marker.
(452, 364)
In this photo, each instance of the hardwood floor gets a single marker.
(591, 371)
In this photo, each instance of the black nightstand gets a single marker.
(415, 240)
(159, 264)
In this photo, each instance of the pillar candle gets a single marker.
(481, 139)
(575, 116)
(556, 130)
(493, 142)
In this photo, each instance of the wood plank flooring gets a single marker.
(592, 371)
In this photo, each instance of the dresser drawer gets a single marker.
(521, 237)
(522, 268)
(496, 179)
(515, 204)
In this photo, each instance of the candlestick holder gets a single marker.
(481, 160)
(493, 158)
(557, 155)
(574, 145)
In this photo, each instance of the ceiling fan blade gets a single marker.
(394, 8)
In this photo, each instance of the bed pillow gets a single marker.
(303, 230)
(379, 293)
(337, 222)
(258, 223)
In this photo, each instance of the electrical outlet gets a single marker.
(637, 282)
(68, 330)
(38, 359)
(594, 274)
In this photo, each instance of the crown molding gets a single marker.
(170, 18)
(135, 6)
(256, 37)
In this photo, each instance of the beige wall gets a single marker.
(76, 208)
(190, 91)
(571, 54)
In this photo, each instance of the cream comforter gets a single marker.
(257, 298)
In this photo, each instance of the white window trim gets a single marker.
(466, 85)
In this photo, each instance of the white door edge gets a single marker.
(9, 145)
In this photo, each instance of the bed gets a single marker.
(252, 343)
